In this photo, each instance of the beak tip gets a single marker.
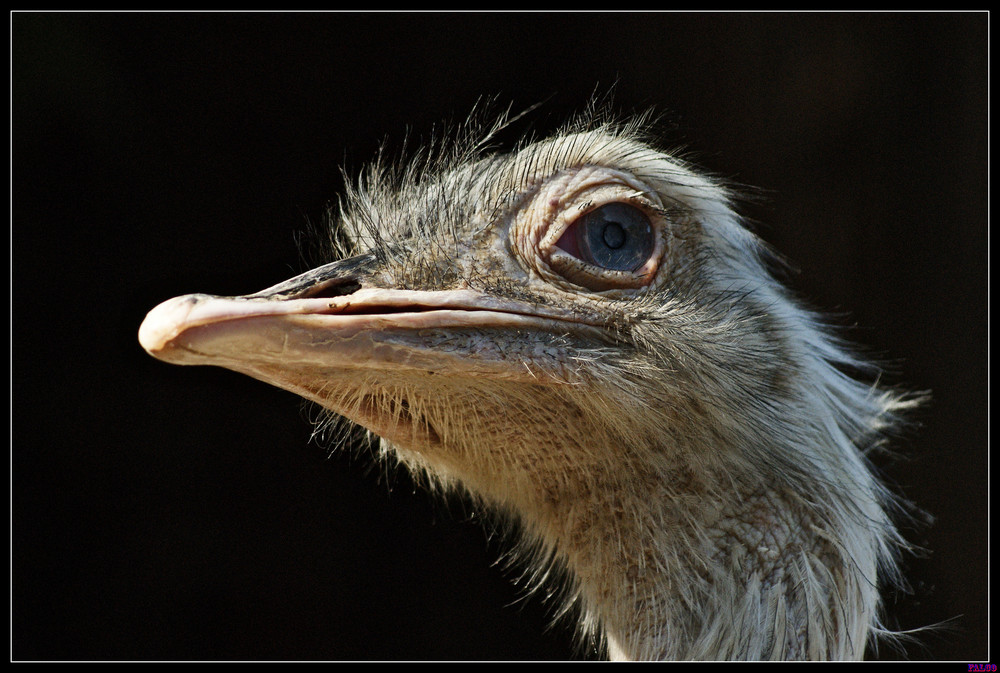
(162, 325)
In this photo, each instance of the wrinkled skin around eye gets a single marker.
(616, 236)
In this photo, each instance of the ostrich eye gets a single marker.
(616, 237)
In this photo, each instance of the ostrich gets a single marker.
(581, 335)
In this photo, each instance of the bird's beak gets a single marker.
(298, 333)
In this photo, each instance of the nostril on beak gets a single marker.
(334, 288)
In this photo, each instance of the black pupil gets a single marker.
(614, 235)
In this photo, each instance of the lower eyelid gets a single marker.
(579, 272)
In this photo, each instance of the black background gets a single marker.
(182, 513)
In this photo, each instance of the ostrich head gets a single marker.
(581, 335)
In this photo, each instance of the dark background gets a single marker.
(182, 513)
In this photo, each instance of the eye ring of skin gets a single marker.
(565, 199)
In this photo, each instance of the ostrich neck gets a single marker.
(682, 552)
(711, 573)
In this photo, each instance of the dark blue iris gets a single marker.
(617, 236)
